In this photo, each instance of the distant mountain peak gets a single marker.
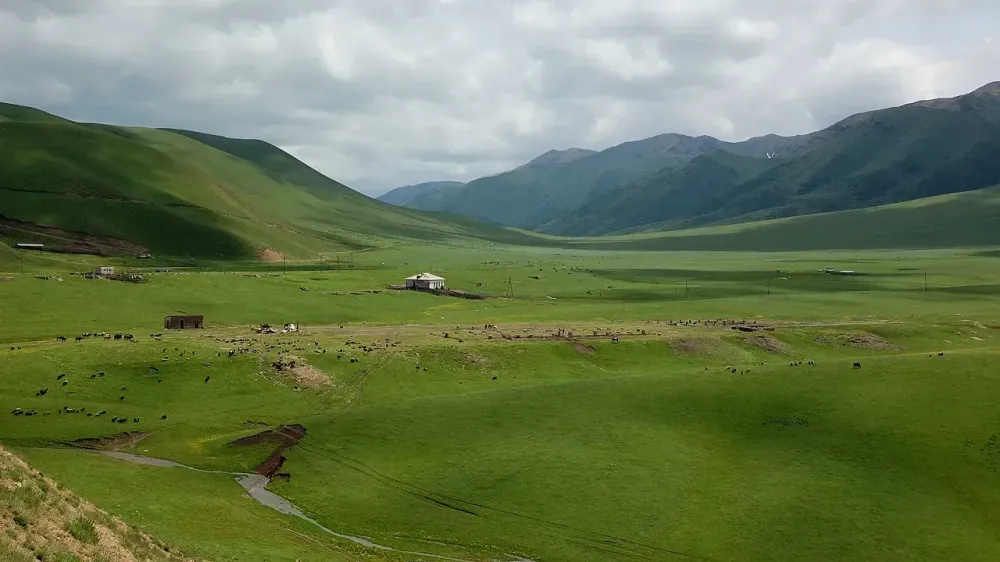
(991, 88)
(561, 156)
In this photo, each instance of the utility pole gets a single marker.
(925, 282)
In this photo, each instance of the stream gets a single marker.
(255, 485)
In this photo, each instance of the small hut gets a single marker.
(187, 322)
(425, 282)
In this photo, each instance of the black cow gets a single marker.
(857, 365)
(163, 417)
(208, 378)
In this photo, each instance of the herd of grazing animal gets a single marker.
(62, 377)
(116, 337)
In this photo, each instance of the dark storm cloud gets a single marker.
(378, 93)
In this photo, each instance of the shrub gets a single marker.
(83, 530)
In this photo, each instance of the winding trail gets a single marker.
(255, 485)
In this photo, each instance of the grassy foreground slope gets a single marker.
(43, 520)
(191, 194)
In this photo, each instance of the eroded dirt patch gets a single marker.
(284, 436)
(67, 242)
(585, 349)
(304, 374)
(859, 340)
(269, 255)
(765, 342)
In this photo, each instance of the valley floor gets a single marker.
(644, 406)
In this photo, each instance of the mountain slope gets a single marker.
(403, 196)
(898, 154)
(958, 220)
(180, 193)
(669, 194)
(535, 193)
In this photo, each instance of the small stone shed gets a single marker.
(185, 322)
(425, 281)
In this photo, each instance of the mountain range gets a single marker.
(674, 181)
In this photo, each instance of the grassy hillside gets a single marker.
(43, 520)
(678, 193)
(180, 193)
(958, 220)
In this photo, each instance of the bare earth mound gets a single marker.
(585, 349)
(304, 374)
(269, 255)
(860, 340)
(44, 522)
(765, 342)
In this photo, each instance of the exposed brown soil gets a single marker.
(269, 255)
(860, 340)
(585, 349)
(765, 342)
(687, 346)
(113, 443)
(285, 436)
(304, 374)
(64, 241)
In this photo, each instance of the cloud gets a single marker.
(379, 93)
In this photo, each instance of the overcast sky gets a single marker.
(382, 93)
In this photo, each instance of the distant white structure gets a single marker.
(104, 270)
(426, 281)
(26, 246)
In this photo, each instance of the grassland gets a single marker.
(524, 440)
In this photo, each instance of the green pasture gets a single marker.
(480, 447)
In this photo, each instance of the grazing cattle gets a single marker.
(494, 378)
(100, 373)
(92, 377)
(129, 337)
(941, 354)
(79, 338)
(135, 420)
(42, 392)
(162, 418)
(16, 411)
(118, 337)
(208, 378)
(124, 388)
(64, 383)
(61, 338)
(121, 398)
(857, 365)
(60, 377)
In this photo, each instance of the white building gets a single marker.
(426, 281)
(104, 270)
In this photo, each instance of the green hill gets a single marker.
(957, 220)
(181, 193)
